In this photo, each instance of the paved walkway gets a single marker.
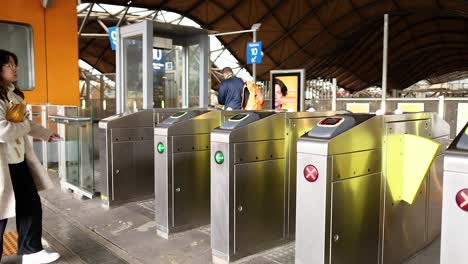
(85, 232)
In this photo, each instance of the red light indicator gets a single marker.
(311, 173)
(462, 199)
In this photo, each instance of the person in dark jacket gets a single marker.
(230, 91)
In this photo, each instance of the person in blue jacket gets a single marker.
(230, 91)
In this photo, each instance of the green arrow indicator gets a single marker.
(219, 157)
(160, 148)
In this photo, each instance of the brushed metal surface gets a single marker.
(259, 151)
(162, 113)
(260, 192)
(355, 164)
(456, 161)
(434, 199)
(408, 116)
(191, 189)
(256, 146)
(132, 171)
(191, 142)
(454, 220)
(123, 182)
(403, 229)
(132, 134)
(163, 186)
(313, 210)
(297, 125)
(134, 161)
(201, 124)
(355, 220)
(142, 118)
(405, 225)
(440, 128)
(268, 128)
(144, 168)
(222, 210)
(182, 172)
(421, 128)
(105, 167)
(359, 138)
(219, 135)
(454, 229)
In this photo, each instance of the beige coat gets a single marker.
(8, 132)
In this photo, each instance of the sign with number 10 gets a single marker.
(254, 52)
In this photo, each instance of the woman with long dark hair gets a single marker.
(280, 91)
(21, 173)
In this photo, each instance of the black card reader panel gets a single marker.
(331, 127)
(180, 116)
(240, 120)
(331, 121)
(238, 117)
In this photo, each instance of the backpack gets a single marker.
(252, 98)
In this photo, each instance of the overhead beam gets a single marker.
(85, 19)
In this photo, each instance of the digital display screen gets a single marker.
(286, 90)
(178, 114)
(238, 117)
(331, 121)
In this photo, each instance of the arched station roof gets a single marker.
(331, 38)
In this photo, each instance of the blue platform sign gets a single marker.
(159, 60)
(254, 52)
(112, 36)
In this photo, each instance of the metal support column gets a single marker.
(254, 65)
(384, 64)
(333, 94)
(45, 158)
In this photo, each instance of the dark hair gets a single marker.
(284, 89)
(227, 70)
(4, 59)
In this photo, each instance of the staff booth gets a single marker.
(161, 65)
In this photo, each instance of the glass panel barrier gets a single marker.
(193, 75)
(76, 151)
(133, 54)
(36, 117)
(167, 77)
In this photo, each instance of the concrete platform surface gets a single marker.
(85, 232)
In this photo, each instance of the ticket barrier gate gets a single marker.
(252, 187)
(127, 155)
(364, 193)
(455, 201)
(182, 169)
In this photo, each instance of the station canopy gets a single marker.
(340, 39)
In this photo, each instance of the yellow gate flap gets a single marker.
(409, 158)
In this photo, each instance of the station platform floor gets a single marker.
(83, 231)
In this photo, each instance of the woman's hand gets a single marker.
(54, 136)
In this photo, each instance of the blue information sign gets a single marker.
(159, 59)
(254, 52)
(113, 37)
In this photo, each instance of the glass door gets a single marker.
(176, 77)
(168, 71)
(134, 82)
(193, 81)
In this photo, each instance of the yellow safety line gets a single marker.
(10, 243)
